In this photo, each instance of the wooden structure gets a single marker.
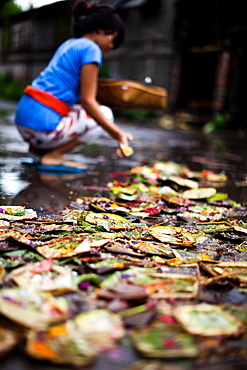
(27, 45)
(208, 73)
(32, 37)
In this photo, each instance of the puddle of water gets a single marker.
(23, 185)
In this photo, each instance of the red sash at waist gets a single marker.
(48, 100)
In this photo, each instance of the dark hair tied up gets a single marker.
(94, 17)
(81, 9)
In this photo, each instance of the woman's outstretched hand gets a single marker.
(124, 150)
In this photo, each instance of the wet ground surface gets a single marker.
(47, 193)
(19, 184)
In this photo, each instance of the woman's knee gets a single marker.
(107, 112)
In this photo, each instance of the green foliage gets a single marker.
(3, 4)
(10, 88)
(219, 121)
(8, 8)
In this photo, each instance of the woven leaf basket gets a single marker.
(127, 94)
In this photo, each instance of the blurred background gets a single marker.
(197, 50)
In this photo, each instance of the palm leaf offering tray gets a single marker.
(164, 341)
(64, 247)
(15, 213)
(31, 309)
(80, 336)
(159, 264)
(212, 227)
(207, 320)
(172, 235)
(43, 276)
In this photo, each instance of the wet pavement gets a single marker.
(23, 185)
(48, 193)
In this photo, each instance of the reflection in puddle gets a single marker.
(11, 184)
(23, 185)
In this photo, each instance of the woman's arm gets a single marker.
(89, 85)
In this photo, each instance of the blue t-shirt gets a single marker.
(61, 78)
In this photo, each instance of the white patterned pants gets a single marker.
(76, 125)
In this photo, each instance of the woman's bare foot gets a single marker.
(47, 161)
(56, 156)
